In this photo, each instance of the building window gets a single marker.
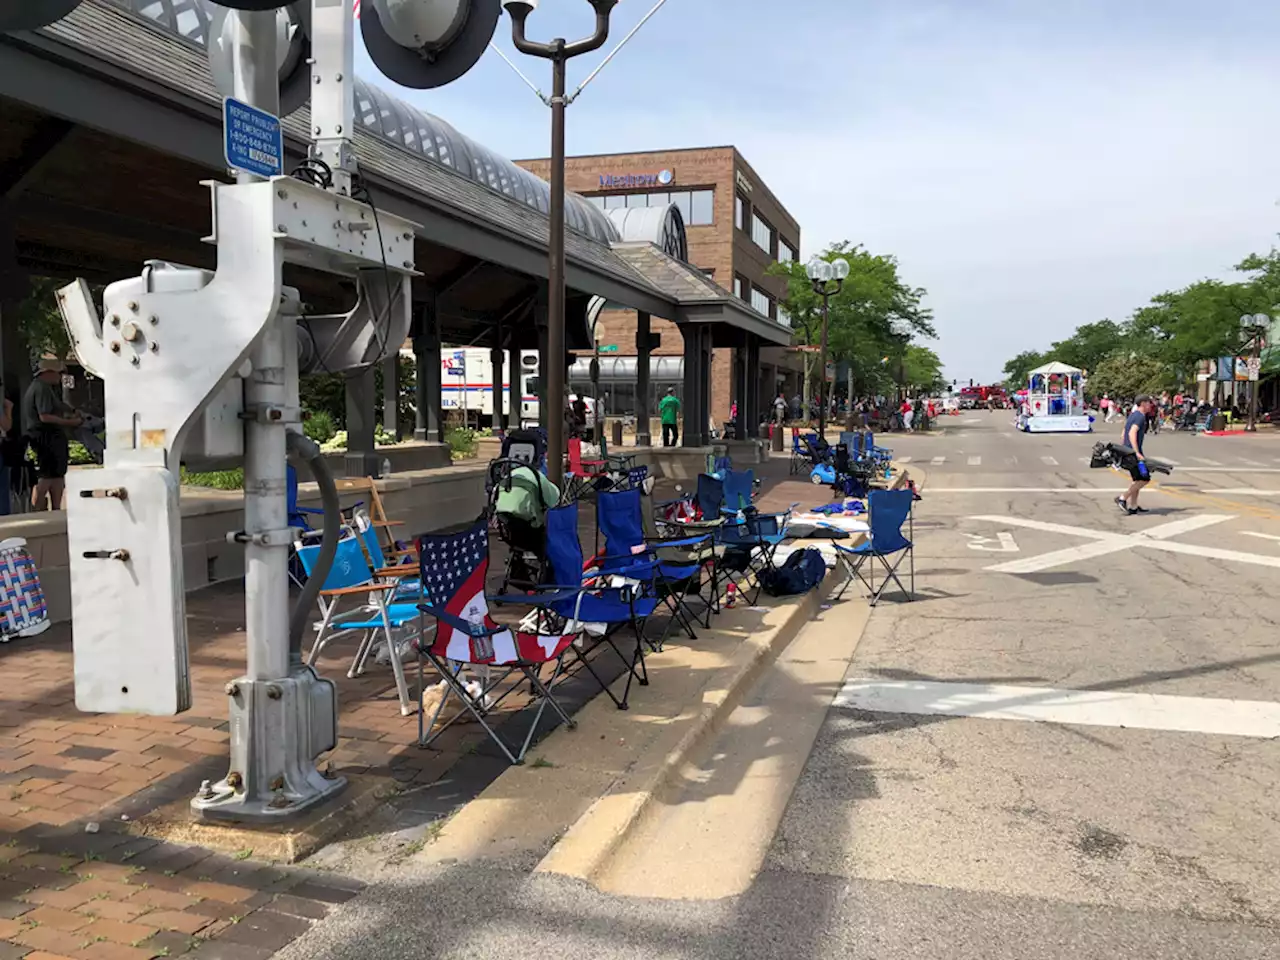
(761, 233)
(614, 203)
(702, 208)
(740, 287)
(761, 301)
(784, 318)
(740, 207)
(708, 271)
(786, 252)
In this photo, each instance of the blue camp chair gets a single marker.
(889, 510)
(739, 490)
(799, 459)
(374, 619)
(748, 546)
(619, 516)
(595, 602)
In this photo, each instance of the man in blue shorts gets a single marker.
(1135, 431)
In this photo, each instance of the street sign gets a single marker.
(831, 371)
(609, 348)
(1254, 365)
(252, 139)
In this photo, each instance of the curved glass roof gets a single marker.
(406, 126)
(661, 226)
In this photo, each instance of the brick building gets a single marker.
(736, 227)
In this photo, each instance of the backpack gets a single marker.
(800, 572)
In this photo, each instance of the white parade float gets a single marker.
(1054, 401)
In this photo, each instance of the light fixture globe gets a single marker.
(840, 267)
(812, 268)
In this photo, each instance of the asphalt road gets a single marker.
(1089, 819)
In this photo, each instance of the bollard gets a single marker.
(617, 433)
(775, 435)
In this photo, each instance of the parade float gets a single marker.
(1054, 401)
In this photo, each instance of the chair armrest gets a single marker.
(405, 572)
(363, 588)
(542, 599)
(314, 510)
(470, 629)
(659, 543)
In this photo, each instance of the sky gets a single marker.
(1033, 164)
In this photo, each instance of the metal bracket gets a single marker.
(271, 413)
(267, 538)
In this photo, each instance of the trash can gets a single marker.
(616, 439)
(775, 436)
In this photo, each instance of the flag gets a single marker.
(454, 568)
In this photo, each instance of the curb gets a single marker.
(598, 832)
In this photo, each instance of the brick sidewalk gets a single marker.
(110, 894)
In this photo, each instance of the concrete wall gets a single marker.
(424, 500)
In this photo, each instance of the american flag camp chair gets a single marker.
(377, 618)
(454, 568)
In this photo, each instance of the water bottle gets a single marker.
(730, 593)
(742, 517)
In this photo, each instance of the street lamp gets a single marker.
(1254, 326)
(827, 278)
(559, 52)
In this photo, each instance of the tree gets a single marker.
(874, 315)
(924, 370)
(1018, 370)
(1090, 344)
(1130, 375)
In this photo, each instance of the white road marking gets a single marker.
(1003, 544)
(1049, 461)
(1230, 469)
(972, 420)
(904, 459)
(1111, 490)
(1172, 463)
(1206, 462)
(1095, 708)
(975, 461)
(1153, 538)
(1261, 536)
(1241, 492)
(938, 461)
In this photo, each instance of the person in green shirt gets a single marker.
(669, 409)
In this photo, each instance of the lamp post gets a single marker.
(827, 278)
(559, 52)
(1254, 327)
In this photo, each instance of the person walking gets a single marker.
(669, 411)
(1105, 407)
(45, 421)
(1135, 431)
(780, 409)
(907, 415)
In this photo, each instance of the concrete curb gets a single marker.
(595, 836)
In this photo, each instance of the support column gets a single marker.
(391, 395)
(697, 385)
(540, 320)
(749, 412)
(361, 460)
(708, 355)
(15, 286)
(429, 419)
(499, 382)
(643, 409)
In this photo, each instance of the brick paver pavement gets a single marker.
(111, 895)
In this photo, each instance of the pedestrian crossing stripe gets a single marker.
(904, 459)
(937, 461)
(1207, 462)
(975, 461)
(1049, 461)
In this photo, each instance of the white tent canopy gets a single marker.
(1055, 367)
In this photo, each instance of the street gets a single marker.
(1070, 755)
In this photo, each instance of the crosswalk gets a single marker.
(1193, 465)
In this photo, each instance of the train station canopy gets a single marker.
(109, 119)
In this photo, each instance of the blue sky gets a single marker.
(1035, 164)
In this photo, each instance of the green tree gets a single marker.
(924, 370)
(1090, 344)
(873, 317)
(1017, 371)
(1131, 374)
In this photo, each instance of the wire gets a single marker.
(605, 62)
(314, 171)
(532, 86)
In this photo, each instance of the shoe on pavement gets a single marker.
(1120, 502)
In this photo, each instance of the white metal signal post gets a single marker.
(201, 365)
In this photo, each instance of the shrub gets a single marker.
(462, 442)
(217, 479)
(320, 426)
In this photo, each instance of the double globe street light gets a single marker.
(1254, 326)
(827, 277)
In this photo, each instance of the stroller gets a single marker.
(526, 541)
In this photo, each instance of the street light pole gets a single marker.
(559, 52)
(822, 274)
(1254, 327)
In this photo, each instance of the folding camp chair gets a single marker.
(889, 510)
(376, 617)
(454, 567)
(739, 490)
(798, 457)
(620, 519)
(748, 546)
(594, 601)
